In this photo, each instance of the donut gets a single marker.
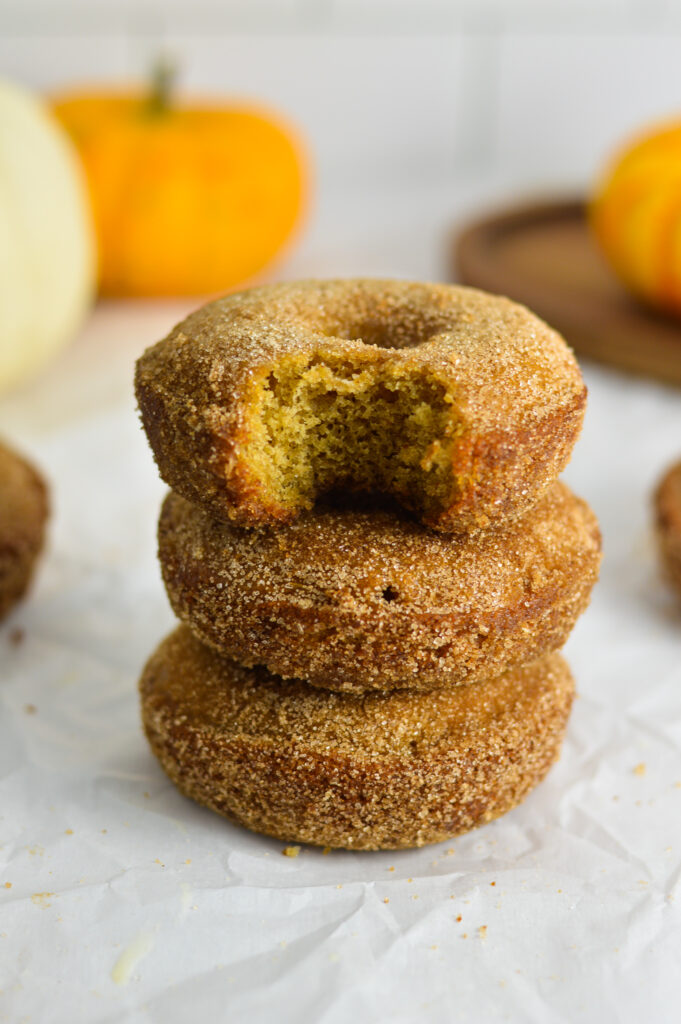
(23, 514)
(366, 772)
(360, 599)
(667, 503)
(462, 406)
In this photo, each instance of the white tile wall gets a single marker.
(409, 16)
(567, 101)
(392, 94)
(373, 110)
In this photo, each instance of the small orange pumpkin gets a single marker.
(186, 199)
(636, 217)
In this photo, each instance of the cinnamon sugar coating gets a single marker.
(667, 504)
(23, 513)
(355, 600)
(376, 771)
(461, 405)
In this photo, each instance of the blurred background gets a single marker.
(416, 113)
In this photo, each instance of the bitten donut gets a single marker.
(354, 599)
(23, 513)
(379, 771)
(462, 406)
(667, 503)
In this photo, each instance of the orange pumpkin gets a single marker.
(636, 216)
(186, 199)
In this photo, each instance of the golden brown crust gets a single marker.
(23, 513)
(667, 502)
(378, 771)
(517, 389)
(354, 599)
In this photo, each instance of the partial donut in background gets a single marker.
(23, 515)
(667, 506)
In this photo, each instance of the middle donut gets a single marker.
(355, 600)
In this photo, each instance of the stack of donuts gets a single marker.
(371, 555)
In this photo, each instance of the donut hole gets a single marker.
(390, 594)
(327, 425)
(387, 322)
(408, 333)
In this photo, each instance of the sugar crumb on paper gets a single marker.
(42, 899)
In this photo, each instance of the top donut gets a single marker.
(461, 405)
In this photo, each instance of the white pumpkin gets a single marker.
(47, 250)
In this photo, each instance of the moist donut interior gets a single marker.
(329, 424)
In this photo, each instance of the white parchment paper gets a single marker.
(122, 901)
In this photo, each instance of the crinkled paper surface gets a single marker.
(122, 901)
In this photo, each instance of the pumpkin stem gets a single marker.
(163, 76)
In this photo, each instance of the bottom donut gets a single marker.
(364, 772)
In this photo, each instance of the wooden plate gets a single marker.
(544, 256)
